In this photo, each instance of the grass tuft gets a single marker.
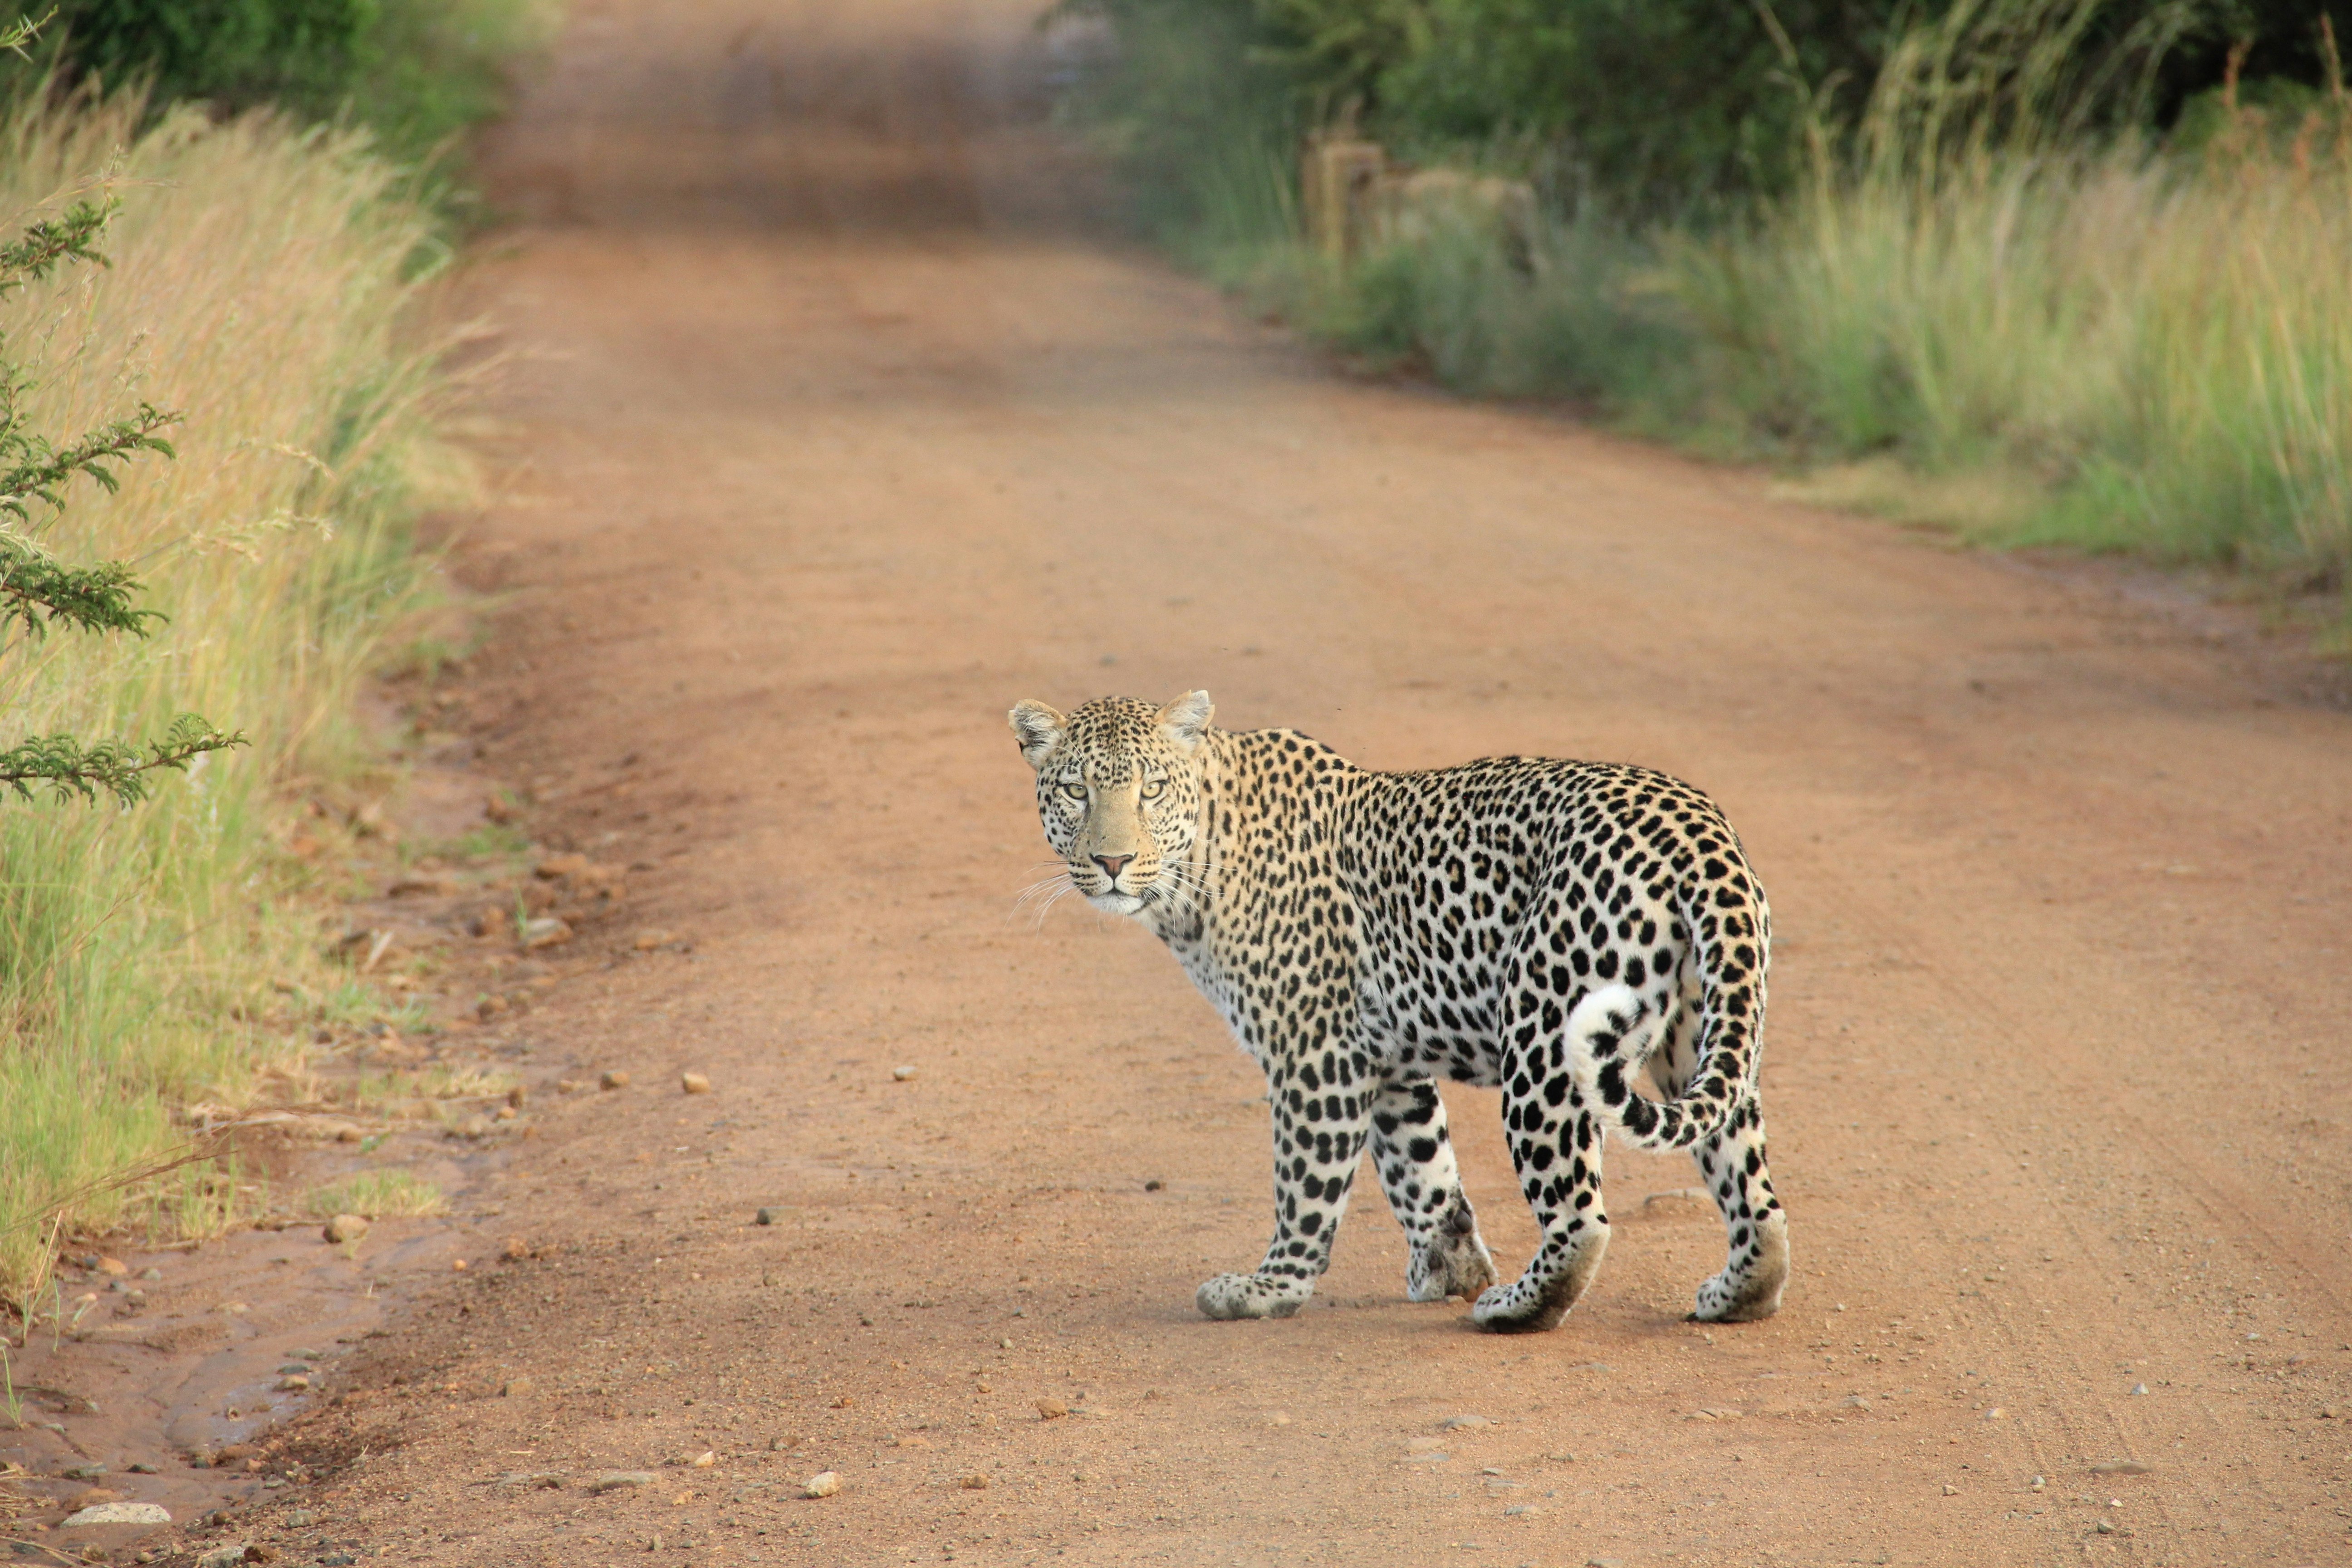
(378, 1194)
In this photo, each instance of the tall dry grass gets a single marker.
(260, 278)
(1979, 308)
(2154, 347)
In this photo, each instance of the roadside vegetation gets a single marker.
(162, 964)
(2049, 272)
(415, 73)
(377, 1194)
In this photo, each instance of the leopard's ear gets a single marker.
(1186, 720)
(1038, 727)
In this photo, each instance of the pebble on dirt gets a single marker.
(693, 1083)
(617, 1480)
(537, 1481)
(346, 1227)
(974, 1482)
(514, 1388)
(823, 1484)
(765, 1216)
(1051, 1410)
(902, 1074)
(515, 1250)
(613, 1078)
(547, 931)
(120, 1513)
(649, 939)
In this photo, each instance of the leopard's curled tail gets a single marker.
(1611, 1032)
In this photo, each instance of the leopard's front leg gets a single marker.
(1413, 1153)
(1319, 1127)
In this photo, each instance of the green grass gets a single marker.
(377, 1194)
(431, 69)
(1972, 312)
(261, 276)
(415, 73)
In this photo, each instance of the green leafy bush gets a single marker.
(416, 71)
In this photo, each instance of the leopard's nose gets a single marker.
(1113, 865)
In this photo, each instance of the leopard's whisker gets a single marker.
(1055, 897)
(1049, 890)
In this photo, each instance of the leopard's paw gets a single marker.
(1518, 1308)
(1233, 1296)
(1453, 1262)
(1749, 1289)
(1537, 1299)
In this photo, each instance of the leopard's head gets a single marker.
(1118, 789)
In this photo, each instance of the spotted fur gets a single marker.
(1561, 929)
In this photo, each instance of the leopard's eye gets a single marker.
(1154, 788)
(1075, 791)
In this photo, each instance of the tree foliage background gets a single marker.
(415, 71)
(1657, 104)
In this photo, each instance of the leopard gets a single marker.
(1588, 936)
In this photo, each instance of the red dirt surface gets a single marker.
(835, 429)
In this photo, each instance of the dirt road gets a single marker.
(834, 431)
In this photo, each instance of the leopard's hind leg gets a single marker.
(1756, 1269)
(1555, 1140)
(1738, 1178)
(1414, 1155)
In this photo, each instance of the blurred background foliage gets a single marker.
(415, 72)
(1660, 105)
(2050, 271)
